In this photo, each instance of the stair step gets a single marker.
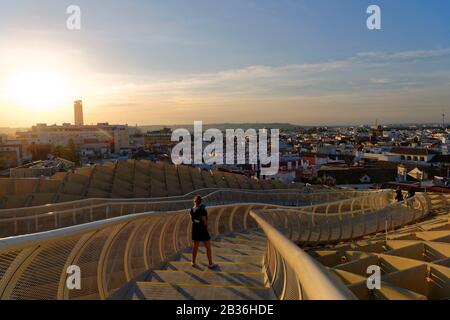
(231, 240)
(250, 234)
(247, 237)
(230, 250)
(181, 291)
(218, 258)
(223, 266)
(224, 244)
(213, 278)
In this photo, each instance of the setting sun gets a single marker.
(37, 89)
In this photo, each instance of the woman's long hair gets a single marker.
(197, 201)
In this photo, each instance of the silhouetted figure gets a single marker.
(399, 195)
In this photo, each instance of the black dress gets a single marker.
(199, 230)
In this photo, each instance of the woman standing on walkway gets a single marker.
(200, 233)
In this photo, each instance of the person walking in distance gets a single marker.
(411, 195)
(399, 195)
(200, 233)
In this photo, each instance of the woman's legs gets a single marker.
(194, 251)
(208, 251)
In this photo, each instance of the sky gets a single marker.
(175, 61)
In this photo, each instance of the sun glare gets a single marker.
(37, 89)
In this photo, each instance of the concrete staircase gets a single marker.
(239, 276)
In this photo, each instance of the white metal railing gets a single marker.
(372, 214)
(294, 274)
(110, 252)
(203, 192)
(30, 220)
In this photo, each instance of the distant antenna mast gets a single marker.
(443, 120)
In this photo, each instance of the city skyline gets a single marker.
(291, 61)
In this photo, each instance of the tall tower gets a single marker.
(443, 120)
(78, 110)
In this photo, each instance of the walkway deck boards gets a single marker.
(239, 275)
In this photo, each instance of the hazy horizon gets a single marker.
(243, 125)
(240, 61)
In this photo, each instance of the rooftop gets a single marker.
(413, 151)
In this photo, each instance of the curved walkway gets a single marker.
(139, 255)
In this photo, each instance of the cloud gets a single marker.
(401, 56)
(362, 72)
(379, 81)
(364, 85)
(403, 85)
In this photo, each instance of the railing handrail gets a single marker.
(26, 222)
(28, 239)
(155, 199)
(99, 205)
(11, 243)
(304, 208)
(420, 206)
(316, 282)
(191, 193)
(141, 201)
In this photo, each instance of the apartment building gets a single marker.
(99, 137)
